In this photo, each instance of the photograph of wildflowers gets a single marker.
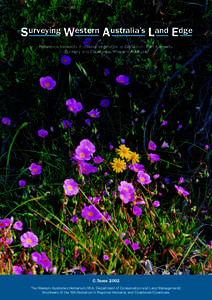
(106, 130)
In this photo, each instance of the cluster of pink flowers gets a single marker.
(74, 106)
(41, 259)
(126, 191)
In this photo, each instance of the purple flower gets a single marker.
(143, 178)
(83, 269)
(164, 123)
(74, 218)
(156, 203)
(165, 145)
(156, 176)
(105, 257)
(179, 127)
(74, 106)
(36, 257)
(94, 113)
(35, 169)
(166, 180)
(152, 146)
(47, 82)
(9, 241)
(104, 102)
(7, 222)
(88, 121)
(91, 213)
(96, 200)
(127, 191)
(29, 239)
(137, 211)
(45, 262)
(123, 79)
(70, 187)
(122, 235)
(206, 147)
(42, 133)
(2, 224)
(106, 216)
(62, 249)
(181, 191)
(154, 157)
(181, 180)
(66, 124)
(85, 168)
(135, 246)
(82, 153)
(136, 167)
(87, 42)
(66, 60)
(143, 111)
(53, 270)
(22, 183)
(184, 217)
(18, 225)
(127, 242)
(17, 270)
(89, 145)
(106, 72)
(6, 121)
(98, 159)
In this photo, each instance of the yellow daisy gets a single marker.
(118, 165)
(134, 157)
(123, 151)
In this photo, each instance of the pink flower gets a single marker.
(164, 123)
(127, 242)
(29, 239)
(135, 246)
(94, 113)
(156, 176)
(35, 169)
(154, 157)
(47, 82)
(70, 187)
(91, 213)
(165, 145)
(152, 146)
(105, 257)
(45, 262)
(181, 191)
(18, 225)
(17, 270)
(143, 178)
(42, 133)
(137, 211)
(36, 257)
(156, 203)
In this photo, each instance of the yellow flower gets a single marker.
(118, 165)
(123, 151)
(134, 157)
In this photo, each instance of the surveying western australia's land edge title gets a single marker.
(72, 31)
